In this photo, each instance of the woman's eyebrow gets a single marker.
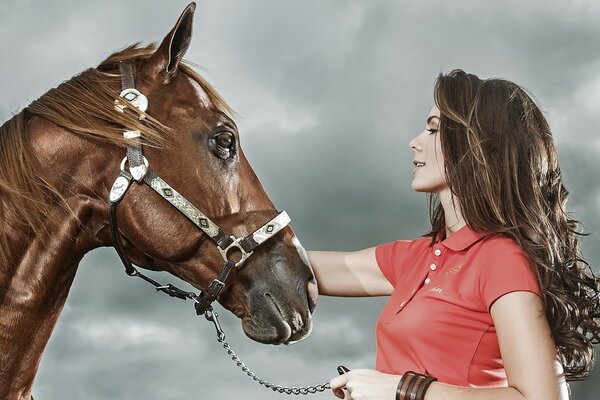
(431, 117)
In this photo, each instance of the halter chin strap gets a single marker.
(139, 171)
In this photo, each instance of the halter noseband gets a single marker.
(140, 172)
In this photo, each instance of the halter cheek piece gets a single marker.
(140, 172)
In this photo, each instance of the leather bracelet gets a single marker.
(412, 386)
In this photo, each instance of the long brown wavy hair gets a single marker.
(502, 167)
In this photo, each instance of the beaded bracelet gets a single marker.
(413, 386)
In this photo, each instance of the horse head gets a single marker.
(275, 292)
(190, 139)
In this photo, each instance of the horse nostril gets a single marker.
(270, 297)
(312, 292)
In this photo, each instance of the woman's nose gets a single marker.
(414, 145)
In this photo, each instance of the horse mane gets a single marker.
(84, 105)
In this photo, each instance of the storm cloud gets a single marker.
(328, 95)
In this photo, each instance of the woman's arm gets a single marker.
(349, 273)
(528, 353)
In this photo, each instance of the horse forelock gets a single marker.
(84, 105)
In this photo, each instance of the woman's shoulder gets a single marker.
(403, 248)
(422, 241)
(505, 268)
(500, 241)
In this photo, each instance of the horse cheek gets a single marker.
(158, 230)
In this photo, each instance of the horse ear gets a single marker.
(163, 64)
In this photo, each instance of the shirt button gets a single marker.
(433, 267)
(427, 280)
(437, 252)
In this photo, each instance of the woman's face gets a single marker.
(429, 161)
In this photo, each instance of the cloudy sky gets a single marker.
(328, 95)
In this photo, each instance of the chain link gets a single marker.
(301, 390)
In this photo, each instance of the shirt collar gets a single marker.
(460, 240)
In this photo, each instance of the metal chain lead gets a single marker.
(212, 316)
(301, 390)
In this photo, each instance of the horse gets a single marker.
(64, 184)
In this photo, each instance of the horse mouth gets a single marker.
(270, 324)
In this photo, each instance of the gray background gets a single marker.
(329, 93)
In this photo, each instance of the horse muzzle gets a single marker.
(280, 295)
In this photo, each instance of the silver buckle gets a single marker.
(235, 245)
(138, 172)
(135, 98)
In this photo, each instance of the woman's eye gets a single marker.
(432, 131)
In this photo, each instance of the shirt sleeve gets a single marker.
(391, 258)
(505, 269)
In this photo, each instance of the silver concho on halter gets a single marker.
(118, 189)
(137, 172)
(135, 98)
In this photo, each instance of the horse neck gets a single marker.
(35, 284)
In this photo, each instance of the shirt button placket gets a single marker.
(433, 266)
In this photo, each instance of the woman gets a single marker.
(495, 302)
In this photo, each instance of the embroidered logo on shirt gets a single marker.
(452, 271)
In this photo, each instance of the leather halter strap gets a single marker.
(139, 171)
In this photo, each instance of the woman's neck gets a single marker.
(452, 213)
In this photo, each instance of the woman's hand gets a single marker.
(365, 384)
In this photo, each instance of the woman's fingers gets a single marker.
(338, 393)
(339, 383)
(367, 384)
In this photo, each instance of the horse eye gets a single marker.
(225, 140)
(223, 145)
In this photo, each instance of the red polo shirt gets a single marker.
(437, 320)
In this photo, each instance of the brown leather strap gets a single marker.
(135, 155)
(222, 240)
(248, 243)
(127, 79)
(212, 292)
(112, 210)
